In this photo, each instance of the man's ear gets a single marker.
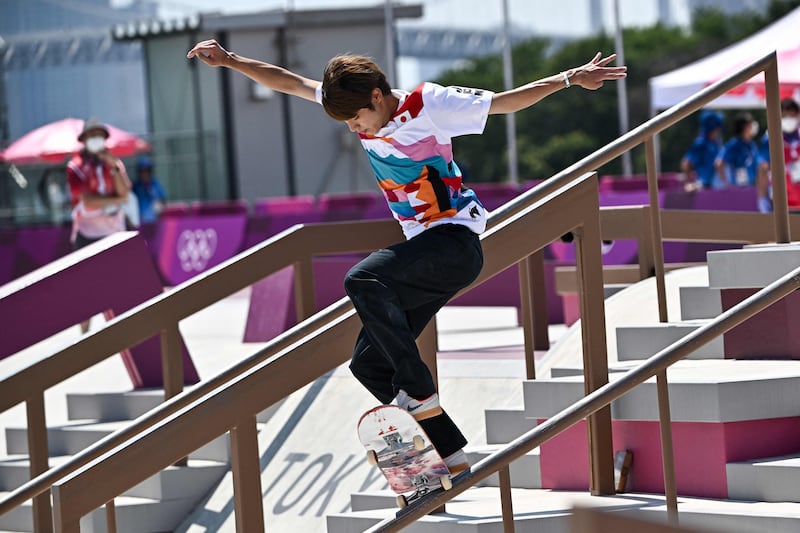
(377, 96)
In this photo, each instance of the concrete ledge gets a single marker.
(752, 266)
(505, 425)
(700, 391)
(641, 342)
(700, 303)
(775, 479)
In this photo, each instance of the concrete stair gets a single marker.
(548, 511)
(736, 431)
(157, 504)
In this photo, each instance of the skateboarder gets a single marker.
(407, 137)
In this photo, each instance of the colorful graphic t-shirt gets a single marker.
(412, 157)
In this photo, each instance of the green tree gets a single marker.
(571, 124)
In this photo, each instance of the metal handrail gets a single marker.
(598, 399)
(217, 408)
(642, 134)
(611, 151)
(653, 126)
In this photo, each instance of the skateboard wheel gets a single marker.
(402, 501)
(419, 443)
(446, 482)
(372, 457)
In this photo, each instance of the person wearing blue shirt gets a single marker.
(740, 162)
(148, 190)
(697, 164)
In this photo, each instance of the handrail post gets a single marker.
(533, 307)
(662, 385)
(655, 228)
(304, 300)
(38, 455)
(644, 245)
(595, 354)
(246, 468)
(172, 361)
(779, 198)
(111, 516)
(172, 367)
(506, 503)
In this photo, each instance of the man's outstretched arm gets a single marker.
(589, 76)
(276, 78)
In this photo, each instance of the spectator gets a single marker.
(98, 187)
(148, 190)
(740, 163)
(697, 164)
(790, 124)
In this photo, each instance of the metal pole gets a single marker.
(622, 90)
(388, 19)
(779, 201)
(508, 81)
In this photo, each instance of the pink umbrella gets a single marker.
(53, 142)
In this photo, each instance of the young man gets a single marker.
(407, 136)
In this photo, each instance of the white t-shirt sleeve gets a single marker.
(457, 110)
(318, 94)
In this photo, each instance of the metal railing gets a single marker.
(249, 267)
(602, 397)
(645, 133)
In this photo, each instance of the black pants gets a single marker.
(396, 292)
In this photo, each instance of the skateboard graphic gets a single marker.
(397, 444)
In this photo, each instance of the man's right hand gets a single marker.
(209, 52)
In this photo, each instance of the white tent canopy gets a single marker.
(783, 35)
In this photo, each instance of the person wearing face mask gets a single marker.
(790, 124)
(697, 164)
(740, 163)
(98, 187)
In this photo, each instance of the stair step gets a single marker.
(505, 425)
(110, 406)
(133, 515)
(700, 391)
(538, 511)
(190, 481)
(642, 341)
(774, 479)
(127, 405)
(699, 302)
(525, 472)
(75, 436)
(753, 266)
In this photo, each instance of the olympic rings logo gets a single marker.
(195, 248)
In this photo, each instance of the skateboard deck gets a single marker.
(397, 444)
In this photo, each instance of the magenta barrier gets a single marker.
(110, 276)
(272, 307)
(771, 334)
(188, 244)
(700, 470)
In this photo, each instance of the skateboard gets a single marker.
(397, 444)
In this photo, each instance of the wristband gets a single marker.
(566, 79)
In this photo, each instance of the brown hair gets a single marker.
(347, 85)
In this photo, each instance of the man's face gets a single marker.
(367, 121)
